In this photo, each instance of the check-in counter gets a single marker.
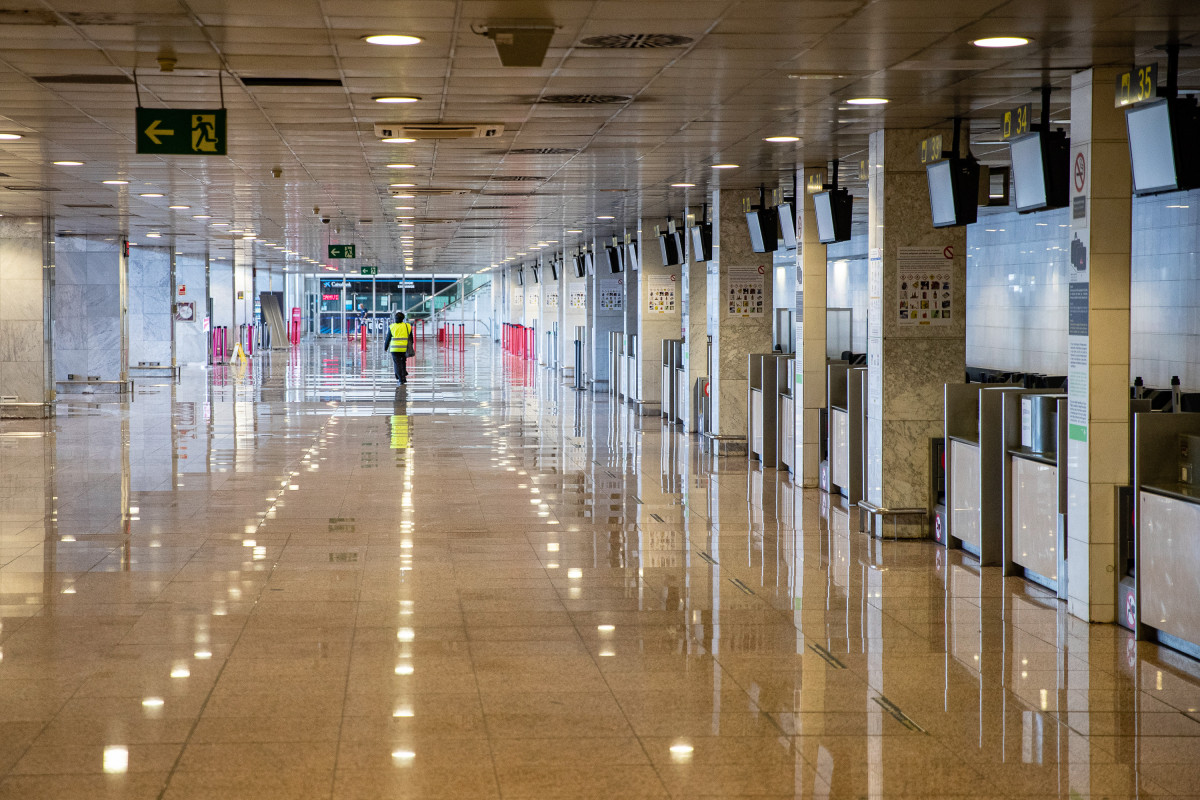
(629, 381)
(975, 468)
(762, 407)
(846, 396)
(1167, 491)
(616, 362)
(1035, 489)
(785, 415)
(670, 349)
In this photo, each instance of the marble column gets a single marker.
(908, 361)
(86, 307)
(572, 299)
(812, 302)
(23, 292)
(739, 317)
(1098, 343)
(657, 313)
(693, 327)
(149, 305)
(607, 309)
(191, 345)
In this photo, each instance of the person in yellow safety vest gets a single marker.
(399, 343)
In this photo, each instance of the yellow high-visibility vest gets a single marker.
(400, 332)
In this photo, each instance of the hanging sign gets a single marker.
(1016, 121)
(180, 131)
(1136, 85)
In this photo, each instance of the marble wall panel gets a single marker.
(22, 287)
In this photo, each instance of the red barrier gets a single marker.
(362, 336)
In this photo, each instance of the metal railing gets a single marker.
(437, 306)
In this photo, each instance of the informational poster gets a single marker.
(1078, 331)
(533, 299)
(660, 294)
(924, 290)
(551, 298)
(518, 297)
(578, 298)
(612, 296)
(747, 292)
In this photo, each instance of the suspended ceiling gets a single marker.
(71, 72)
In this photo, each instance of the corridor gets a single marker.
(292, 579)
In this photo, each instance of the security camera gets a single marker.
(325, 220)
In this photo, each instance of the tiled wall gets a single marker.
(1165, 291)
(149, 305)
(21, 310)
(86, 307)
(191, 344)
(1017, 291)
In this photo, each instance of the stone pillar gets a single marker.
(572, 298)
(607, 309)
(693, 327)
(908, 360)
(86, 307)
(811, 304)
(149, 312)
(657, 316)
(739, 317)
(191, 344)
(23, 319)
(1097, 343)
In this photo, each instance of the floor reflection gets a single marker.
(292, 577)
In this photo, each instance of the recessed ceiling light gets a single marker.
(151, 194)
(683, 185)
(395, 98)
(401, 185)
(725, 166)
(153, 235)
(69, 163)
(575, 231)
(403, 196)
(116, 183)
(781, 139)
(220, 224)
(406, 208)
(201, 216)
(815, 76)
(866, 101)
(401, 166)
(10, 136)
(1001, 41)
(407, 225)
(405, 216)
(392, 39)
(178, 207)
(604, 216)
(398, 140)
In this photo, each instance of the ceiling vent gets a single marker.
(641, 41)
(520, 45)
(427, 191)
(517, 178)
(438, 130)
(429, 221)
(542, 151)
(310, 83)
(584, 99)
(89, 205)
(93, 80)
(32, 189)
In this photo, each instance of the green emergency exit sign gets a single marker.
(368, 270)
(341, 251)
(181, 131)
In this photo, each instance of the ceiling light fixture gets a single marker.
(398, 140)
(725, 166)
(683, 185)
(201, 216)
(815, 76)
(1001, 41)
(392, 39)
(152, 194)
(10, 136)
(401, 166)
(116, 183)
(394, 98)
(69, 163)
(867, 101)
(781, 139)
(604, 216)
(178, 207)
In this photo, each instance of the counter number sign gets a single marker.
(1016, 121)
(341, 251)
(1136, 85)
(181, 131)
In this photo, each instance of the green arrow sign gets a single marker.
(181, 131)
(341, 251)
(368, 270)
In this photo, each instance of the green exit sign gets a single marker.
(180, 131)
(341, 251)
(368, 270)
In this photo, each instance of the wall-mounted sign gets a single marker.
(181, 131)
(182, 289)
(185, 312)
(931, 149)
(341, 251)
(368, 270)
(1136, 85)
(1016, 121)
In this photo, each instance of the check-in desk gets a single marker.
(680, 378)
(762, 407)
(1035, 488)
(785, 415)
(975, 468)
(629, 381)
(616, 361)
(1167, 491)
(846, 399)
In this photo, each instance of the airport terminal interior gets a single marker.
(801, 399)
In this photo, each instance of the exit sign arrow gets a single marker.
(154, 132)
(341, 251)
(181, 131)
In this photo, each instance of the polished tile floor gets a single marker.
(293, 580)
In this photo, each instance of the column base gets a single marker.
(75, 387)
(644, 408)
(893, 523)
(26, 410)
(725, 445)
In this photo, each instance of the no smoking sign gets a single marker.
(1080, 172)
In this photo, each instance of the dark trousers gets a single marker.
(400, 362)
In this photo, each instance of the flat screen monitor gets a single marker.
(633, 259)
(833, 212)
(580, 266)
(702, 249)
(537, 273)
(520, 276)
(763, 227)
(953, 191)
(554, 271)
(672, 253)
(612, 257)
(1152, 147)
(787, 225)
(590, 260)
(1040, 171)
